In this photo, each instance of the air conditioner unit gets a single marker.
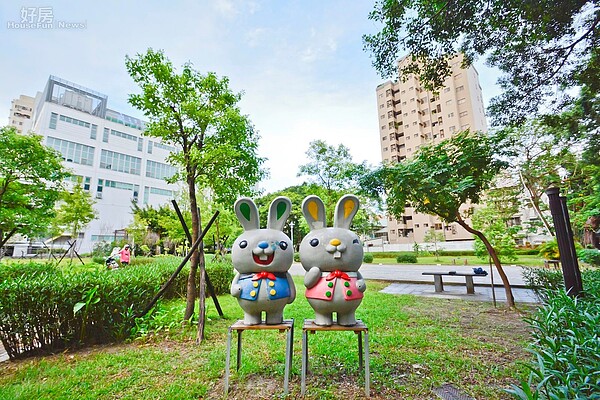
(99, 195)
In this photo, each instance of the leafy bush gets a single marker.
(297, 257)
(589, 256)
(368, 258)
(220, 274)
(31, 269)
(549, 250)
(407, 258)
(565, 345)
(542, 280)
(51, 309)
(527, 252)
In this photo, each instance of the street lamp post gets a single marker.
(292, 234)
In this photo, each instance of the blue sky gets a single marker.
(299, 63)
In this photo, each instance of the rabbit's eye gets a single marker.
(243, 244)
(314, 242)
(355, 241)
(283, 245)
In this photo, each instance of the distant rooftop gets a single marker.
(73, 95)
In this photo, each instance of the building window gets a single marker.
(105, 135)
(391, 125)
(72, 152)
(460, 88)
(463, 114)
(140, 144)
(465, 127)
(150, 145)
(382, 116)
(437, 227)
(458, 76)
(450, 115)
(93, 132)
(462, 101)
(74, 121)
(382, 127)
(385, 149)
(388, 92)
(381, 105)
(53, 118)
(390, 114)
(452, 128)
(123, 135)
(448, 102)
(159, 170)
(446, 90)
(120, 162)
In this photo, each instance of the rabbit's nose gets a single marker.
(263, 245)
(335, 242)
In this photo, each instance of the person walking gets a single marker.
(125, 254)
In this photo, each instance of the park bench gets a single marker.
(439, 284)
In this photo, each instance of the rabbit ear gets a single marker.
(345, 210)
(246, 213)
(314, 212)
(279, 211)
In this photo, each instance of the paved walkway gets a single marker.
(408, 279)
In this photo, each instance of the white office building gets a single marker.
(108, 151)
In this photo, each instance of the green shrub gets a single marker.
(368, 258)
(527, 252)
(37, 309)
(407, 258)
(297, 257)
(589, 256)
(15, 270)
(543, 280)
(221, 275)
(565, 345)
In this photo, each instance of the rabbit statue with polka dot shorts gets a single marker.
(331, 258)
(262, 258)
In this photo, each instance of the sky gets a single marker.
(300, 64)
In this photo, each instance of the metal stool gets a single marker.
(359, 328)
(240, 327)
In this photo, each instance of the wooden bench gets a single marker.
(552, 263)
(439, 284)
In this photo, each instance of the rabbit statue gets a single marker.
(331, 258)
(262, 258)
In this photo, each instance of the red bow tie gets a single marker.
(337, 274)
(263, 275)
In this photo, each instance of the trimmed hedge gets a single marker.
(37, 302)
(368, 258)
(407, 258)
(450, 253)
(589, 256)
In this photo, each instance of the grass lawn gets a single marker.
(524, 260)
(416, 345)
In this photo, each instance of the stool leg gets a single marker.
(227, 359)
(304, 360)
(288, 357)
(360, 351)
(367, 368)
(239, 350)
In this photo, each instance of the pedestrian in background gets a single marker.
(125, 254)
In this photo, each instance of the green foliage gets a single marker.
(589, 256)
(221, 275)
(433, 236)
(368, 258)
(549, 250)
(31, 177)
(565, 346)
(493, 223)
(45, 309)
(543, 280)
(75, 210)
(407, 258)
(538, 46)
(440, 178)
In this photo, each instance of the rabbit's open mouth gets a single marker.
(263, 259)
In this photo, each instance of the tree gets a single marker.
(440, 180)
(199, 114)
(328, 166)
(75, 211)
(433, 236)
(543, 48)
(31, 177)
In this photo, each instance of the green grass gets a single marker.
(416, 345)
(525, 260)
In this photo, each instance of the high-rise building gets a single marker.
(410, 117)
(107, 153)
(21, 110)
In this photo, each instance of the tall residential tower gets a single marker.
(410, 117)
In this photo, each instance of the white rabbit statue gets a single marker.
(262, 258)
(331, 258)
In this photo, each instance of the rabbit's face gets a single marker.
(331, 249)
(262, 250)
(267, 249)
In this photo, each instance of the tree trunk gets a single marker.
(535, 203)
(510, 300)
(191, 283)
(4, 238)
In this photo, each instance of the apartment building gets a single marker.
(21, 110)
(410, 117)
(107, 153)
